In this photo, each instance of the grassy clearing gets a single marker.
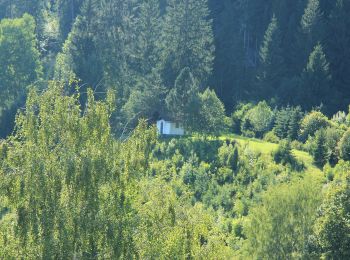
(266, 148)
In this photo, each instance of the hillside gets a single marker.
(174, 129)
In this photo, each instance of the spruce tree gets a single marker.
(187, 40)
(79, 57)
(316, 79)
(271, 67)
(311, 28)
(282, 122)
(294, 123)
(311, 17)
(144, 50)
(320, 152)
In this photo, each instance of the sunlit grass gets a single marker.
(266, 149)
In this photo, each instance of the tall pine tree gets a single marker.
(271, 67)
(187, 40)
(316, 79)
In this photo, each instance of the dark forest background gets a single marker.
(287, 52)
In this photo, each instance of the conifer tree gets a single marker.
(79, 57)
(311, 17)
(271, 61)
(294, 123)
(187, 40)
(282, 122)
(320, 151)
(146, 31)
(316, 78)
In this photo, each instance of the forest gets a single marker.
(260, 87)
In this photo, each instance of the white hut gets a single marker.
(170, 128)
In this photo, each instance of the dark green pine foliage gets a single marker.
(20, 66)
(16, 8)
(146, 29)
(112, 37)
(312, 28)
(294, 123)
(146, 98)
(287, 123)
(79, 57)
(320, 152)
(187, 40)
(337, 42)
(316, 80)
(271, 67)
(312, 17)
(282, 122)
(183, 101)
(233, 159)
(229, 73)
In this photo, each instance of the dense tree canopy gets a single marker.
(260, 88)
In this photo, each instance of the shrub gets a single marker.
(238, 115)
(283, 154)
(271, 137)
(259, 120)
(312, 122)
(297, 145)
(333, 136)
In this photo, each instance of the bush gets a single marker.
(283, 154)
(238, 115)
(271, 137)
(333, 136)
(258, 120)
(297, 145)
(312, 122)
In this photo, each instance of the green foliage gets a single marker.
(271, 59)
(311, 16)
(333, 136)
(19, 62)
(286, 212)
(332, 226)
(271, 137)
(183, 101)
(316, 77)
(211, 114)
(69, 194)
(287, 123)
(259, 119)
(344, 146)
(320, 151)
(187, 40)
(312, 122)
(238, 115)
(283, 154)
